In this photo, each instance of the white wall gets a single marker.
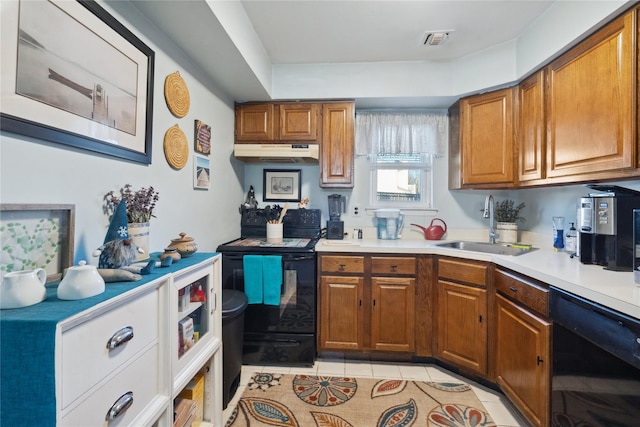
(41, 172)
(564, 22)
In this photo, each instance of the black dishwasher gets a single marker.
(596, 364)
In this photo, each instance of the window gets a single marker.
(401, 180)
(400, 147)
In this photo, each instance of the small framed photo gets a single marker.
(202, 139)
(201, 172)
(281, 185)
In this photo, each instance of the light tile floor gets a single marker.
(496, 404)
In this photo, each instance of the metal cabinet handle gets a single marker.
(214, 303)
(538, 360)
(120, 406)
(512, 289)
(120, 337)
(394, 268)
(342, 266)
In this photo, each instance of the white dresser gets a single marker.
(114, 359)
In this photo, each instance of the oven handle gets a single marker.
(274, 343)
(286, 257)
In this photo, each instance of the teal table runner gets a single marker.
(27, 348)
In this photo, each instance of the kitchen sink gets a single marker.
(490, 248)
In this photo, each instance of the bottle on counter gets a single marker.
(558, 233)
(571, 241)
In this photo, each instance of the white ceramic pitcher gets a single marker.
(23, 288)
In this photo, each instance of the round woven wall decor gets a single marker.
(176, 94)
(176, 149)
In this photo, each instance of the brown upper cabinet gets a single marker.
(591, 105)
(574, 120)
(330, 124)
(337, 150)
(482, 148)
(266, 122)
(531, 132)
(255, 122)
(299, 122)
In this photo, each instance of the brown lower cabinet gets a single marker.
(341, 313)
(489, 322)
(367, 303)
(392, 314)
(522, 359)
(462, 314)
(523, 345)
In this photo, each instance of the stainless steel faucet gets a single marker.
(489, 208)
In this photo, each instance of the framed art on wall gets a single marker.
(281, 185)
(202, 138)
(37, 236)
(74, 75)
(201, 172)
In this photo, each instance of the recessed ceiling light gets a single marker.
(435, 38)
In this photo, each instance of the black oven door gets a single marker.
(284, 333)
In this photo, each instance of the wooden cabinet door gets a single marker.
(393, 313)
(298, 122)
(531, 132)
(523, 364)
(256, 122)
(486, 123)
(336, 161)
(341, 313)
(590, 105)
(462, 325)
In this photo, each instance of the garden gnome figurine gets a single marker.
(251, 202)
(118, 250)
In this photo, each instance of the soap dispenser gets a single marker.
(572, 238)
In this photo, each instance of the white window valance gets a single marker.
(401, 132)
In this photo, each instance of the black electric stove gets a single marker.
(282, 333)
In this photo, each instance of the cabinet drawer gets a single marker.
(140, 377)
(85, 357)
(343, 264)
(393, 265)
(530, 294)
(463, 271)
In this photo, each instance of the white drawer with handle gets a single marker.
(120, 400)
(94, 349)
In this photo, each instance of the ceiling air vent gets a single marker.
(435, 38)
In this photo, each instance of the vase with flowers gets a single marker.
(140, 206)
(507, 215)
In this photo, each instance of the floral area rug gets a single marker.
(325, 401)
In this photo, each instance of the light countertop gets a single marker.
(613, 289)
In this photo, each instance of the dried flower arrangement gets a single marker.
(140, 203)
(508, 211)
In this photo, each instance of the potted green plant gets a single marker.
(140, 206)
(507, 215)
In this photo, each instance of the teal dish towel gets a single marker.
(252, 265)
(271, 279)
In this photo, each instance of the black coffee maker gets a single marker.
(335, 227)
(606, 227)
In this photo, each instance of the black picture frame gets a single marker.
(30, 117)
(281, 185)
